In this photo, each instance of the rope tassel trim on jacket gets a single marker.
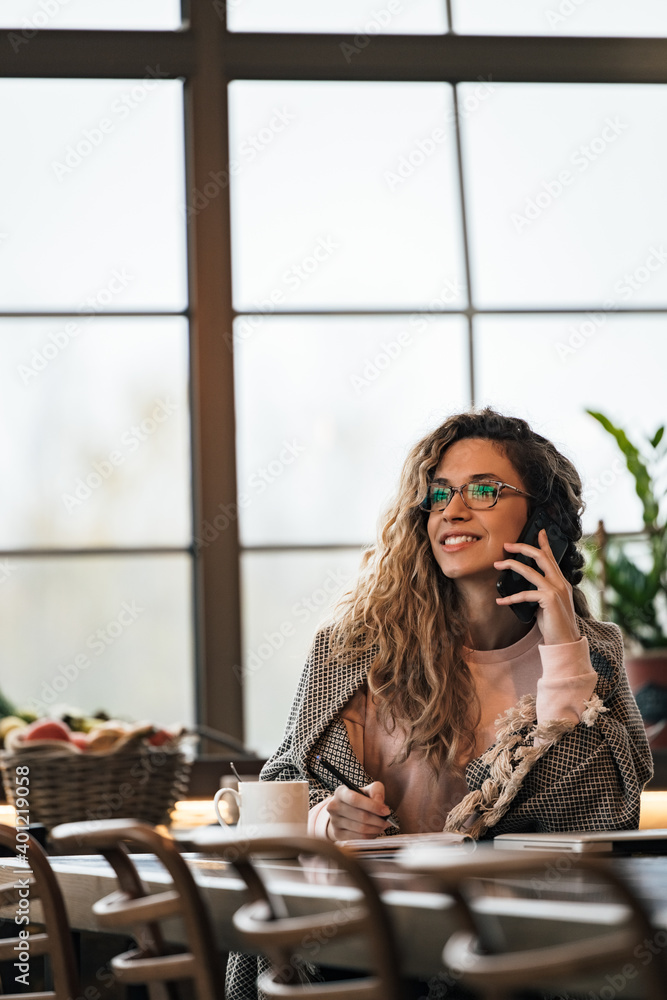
(520, 743)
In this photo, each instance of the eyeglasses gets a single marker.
(476, 496)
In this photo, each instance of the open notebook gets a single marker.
(389, 845)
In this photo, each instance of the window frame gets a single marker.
(207, 58)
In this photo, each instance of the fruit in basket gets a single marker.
(9, 723)
(45, 729)
(80, 723)
(77, 723)
(161, 736)
(97, 733)
(106, 736)
(80, 740)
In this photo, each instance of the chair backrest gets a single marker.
(154, 962)
(264, 925)
(496, 973)
(55, 939)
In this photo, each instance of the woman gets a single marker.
(431, 694)
(427, 645)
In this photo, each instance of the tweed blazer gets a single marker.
(583, 776)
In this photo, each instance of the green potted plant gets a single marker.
(634, 596)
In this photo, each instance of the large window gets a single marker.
(501, 217)
(96, 505)
(243, 273)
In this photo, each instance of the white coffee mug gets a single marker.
(268, 808)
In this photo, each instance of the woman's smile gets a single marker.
(454, 541)
(467, 542)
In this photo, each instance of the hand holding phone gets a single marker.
(511, 582)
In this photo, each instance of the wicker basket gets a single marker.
(136, 780)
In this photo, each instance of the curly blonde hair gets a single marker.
(413, 617)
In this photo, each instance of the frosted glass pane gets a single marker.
(94, 425)
(565, 196)
(96, 214)
(112, 633)
(285, 598)
(361, 16)
(29, 15)
(344, 194)
(549, 370)
(326, 413)
(560, 17)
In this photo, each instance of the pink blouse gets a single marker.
(562, 678)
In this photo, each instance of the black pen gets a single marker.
(350, 784)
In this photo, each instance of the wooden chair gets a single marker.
(264, 925)
(38, 882)
(153, 962)
(495, 973)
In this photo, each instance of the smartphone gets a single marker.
(511, 582)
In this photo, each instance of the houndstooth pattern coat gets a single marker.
(585, 776)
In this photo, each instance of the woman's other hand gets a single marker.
(555, 617)
(353, 816)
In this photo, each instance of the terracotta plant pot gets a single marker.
(647, 675)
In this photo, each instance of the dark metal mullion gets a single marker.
(91, 54)
(474, 310)
(346, 312)
(73, 314)
(477, 310)
(565, 310)
(140, 550)
(217, 584)
(305, 547)
(450, 16)
(197, 615)
(434, 58)
(465, 240)
(451, 58)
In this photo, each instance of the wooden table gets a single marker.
(422, 916)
